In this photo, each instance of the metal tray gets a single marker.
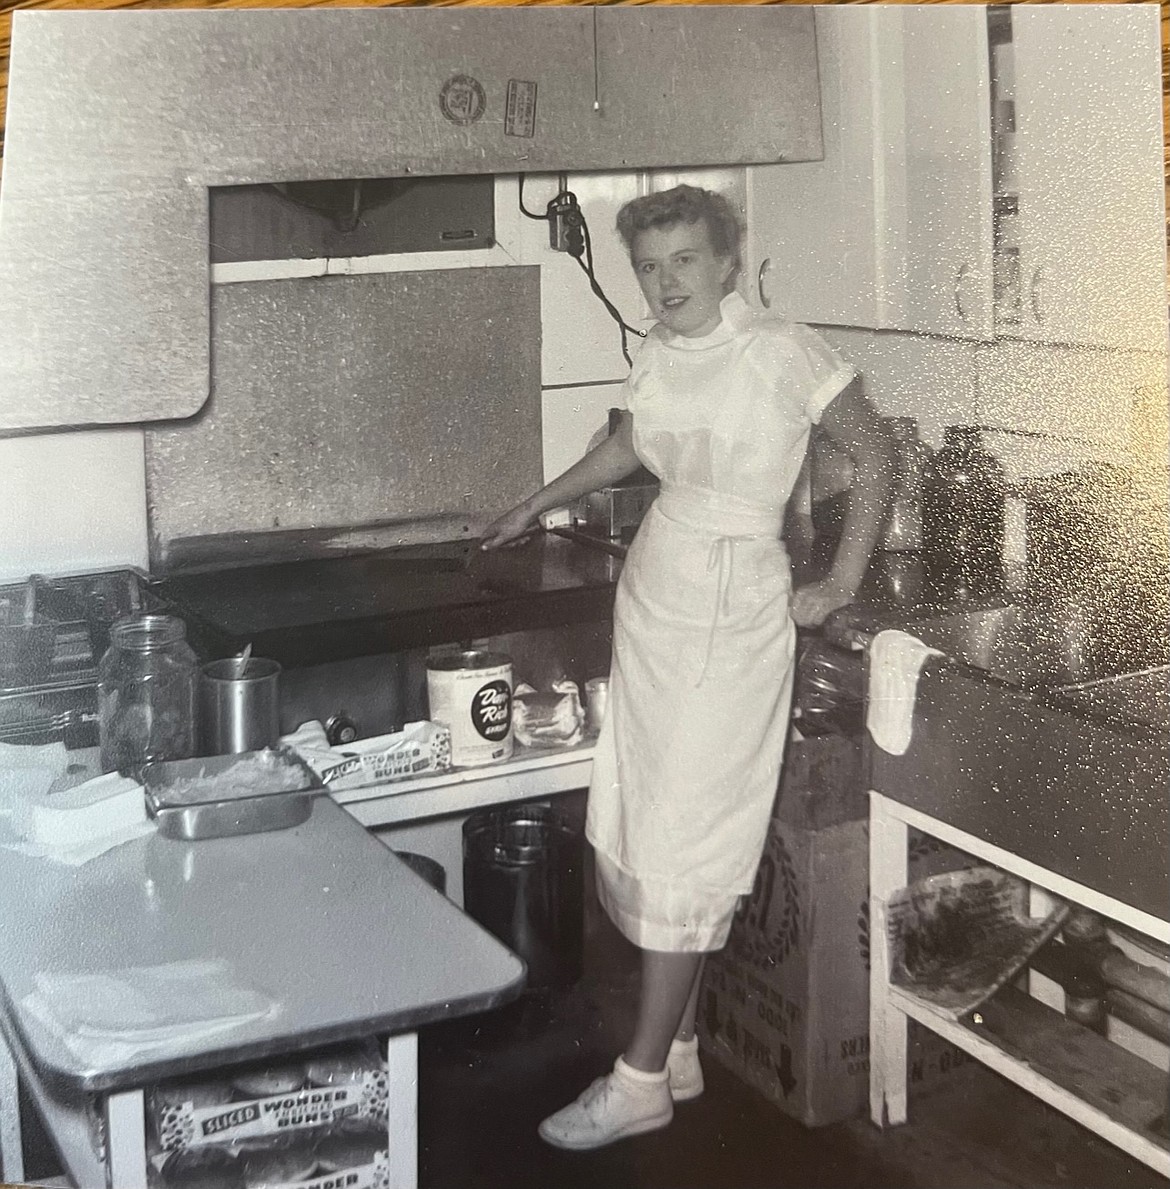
(206, 797)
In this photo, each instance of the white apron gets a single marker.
(687, 765)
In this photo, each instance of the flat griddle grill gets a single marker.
(315, 611)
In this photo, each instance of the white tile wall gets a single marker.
(580, 341)
(1079, 401)
(909, 375)
(1066, 392)
(73, 501)
(572, 418)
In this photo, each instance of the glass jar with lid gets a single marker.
(146, 693)
(902, 528)
(963, 497)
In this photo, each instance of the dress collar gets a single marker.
(735, 316)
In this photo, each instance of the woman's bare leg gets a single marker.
(686, 1025)
(669, 982)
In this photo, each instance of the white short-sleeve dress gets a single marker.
(687, 764)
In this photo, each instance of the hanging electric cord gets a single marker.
(625, 328)
(525, 211)
(578, 244)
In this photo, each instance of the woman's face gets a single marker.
(681, 276)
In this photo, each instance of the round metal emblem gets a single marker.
(462, 100)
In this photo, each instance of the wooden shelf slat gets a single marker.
(1113, 1080)
(1102, 1086)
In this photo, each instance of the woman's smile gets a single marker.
(682, 278)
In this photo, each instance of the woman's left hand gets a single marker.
(812, 604)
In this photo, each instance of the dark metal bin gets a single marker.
(430, 869)
(522, 880)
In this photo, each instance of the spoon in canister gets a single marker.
(242, 662)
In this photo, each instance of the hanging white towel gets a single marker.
(895, 664)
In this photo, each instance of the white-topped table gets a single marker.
(322, 918)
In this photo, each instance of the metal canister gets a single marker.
(470, 692)
(239, 707)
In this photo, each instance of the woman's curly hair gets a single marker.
(685, 204)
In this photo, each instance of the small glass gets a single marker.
(596, 703)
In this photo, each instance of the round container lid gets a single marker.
(472, 659)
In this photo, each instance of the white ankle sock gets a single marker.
(681, 1047)
(640, 1077)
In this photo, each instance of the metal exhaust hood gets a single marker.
(119, 122)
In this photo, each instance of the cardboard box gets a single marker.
(786, 1005)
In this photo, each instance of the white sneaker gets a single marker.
(623, 1103)
(686, 1074)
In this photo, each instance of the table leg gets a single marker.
(126, 1140)
(11, 1144)
(1047, 991)
(402, 1068)
(888, 871)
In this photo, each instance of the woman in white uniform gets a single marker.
(719, 405)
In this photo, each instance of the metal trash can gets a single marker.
(430, 869)
(523, 881)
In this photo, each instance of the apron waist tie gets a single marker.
(719, 558)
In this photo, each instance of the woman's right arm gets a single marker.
(608, 462)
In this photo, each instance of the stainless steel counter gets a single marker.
(322, 918)
(1061, 786)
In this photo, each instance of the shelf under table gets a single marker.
(1107, 1089)
(1072, 1068)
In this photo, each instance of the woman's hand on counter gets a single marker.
(611, 460)
(511, 528)
(812, 604)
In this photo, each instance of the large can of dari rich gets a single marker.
(471, 694)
